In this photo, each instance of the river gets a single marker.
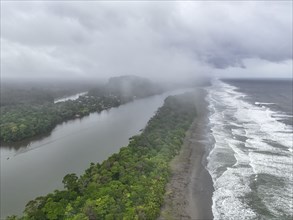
(72, 97)
(38, 168)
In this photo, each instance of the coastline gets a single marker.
(189, 191)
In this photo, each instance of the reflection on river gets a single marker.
(38, 168)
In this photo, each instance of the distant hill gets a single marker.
(132, 86)
(128, 86)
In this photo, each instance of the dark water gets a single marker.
(277, 95)
(38, 168)
(252, 162)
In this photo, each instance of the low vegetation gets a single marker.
(129, 184)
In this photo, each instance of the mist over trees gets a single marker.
(26, 113)
(129, 184)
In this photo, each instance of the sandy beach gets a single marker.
(189, 192)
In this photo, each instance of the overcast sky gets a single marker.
(152, 39)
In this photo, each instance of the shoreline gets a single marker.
(190, 189)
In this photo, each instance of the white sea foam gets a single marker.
(281, 116)
(264, 103)
(249, 142)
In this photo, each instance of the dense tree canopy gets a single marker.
(129, 184)
(24, 121)
(33, 112)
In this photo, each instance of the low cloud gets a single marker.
(152, 39)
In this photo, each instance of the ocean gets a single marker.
(251, 158)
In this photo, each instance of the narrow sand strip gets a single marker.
(189, 192)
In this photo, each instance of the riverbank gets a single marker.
(129, 184)
(189, 191)
(23, 120)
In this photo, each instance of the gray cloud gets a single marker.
(155, 39)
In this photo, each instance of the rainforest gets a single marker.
(129, 184)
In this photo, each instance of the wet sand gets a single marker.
(189, 191)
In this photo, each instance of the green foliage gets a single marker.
(37, 114)
(25, 121)
(70, 182)
(130, 184)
